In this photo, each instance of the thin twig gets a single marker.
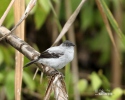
(35, 73)
(41, 77)
(24, 16)
(69, 22)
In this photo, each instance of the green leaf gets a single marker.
(105, 82)
(117, 93)
(9, 85)
(3, 6)
(40, 17)
(87, 19)
(29, 81)
(96, 81)
(9, 21)
(45, 5)
(75, 4)
(42, 10)
(82, 85)
(113, 21)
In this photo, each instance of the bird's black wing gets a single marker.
(47, 54)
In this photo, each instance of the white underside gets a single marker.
(60, 62)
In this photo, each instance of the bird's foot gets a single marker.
(57, 72)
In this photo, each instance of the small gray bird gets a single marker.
(56, 57)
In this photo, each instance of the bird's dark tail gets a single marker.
(31, 62)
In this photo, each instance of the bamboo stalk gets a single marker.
(19, 8)
(116, 65)
(71, 36)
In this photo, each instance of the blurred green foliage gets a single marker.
(9, 21)
(9, 85)
(96, 39)
(41, 12)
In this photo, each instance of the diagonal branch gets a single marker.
(20, 45)
(57, 82)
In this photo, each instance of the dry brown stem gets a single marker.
(57, 82)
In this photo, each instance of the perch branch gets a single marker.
(57, 80)
(21, 46)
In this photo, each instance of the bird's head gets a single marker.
(67, 43)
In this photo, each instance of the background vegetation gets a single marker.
(97, 59)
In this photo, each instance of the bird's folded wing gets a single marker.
(52, 52)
